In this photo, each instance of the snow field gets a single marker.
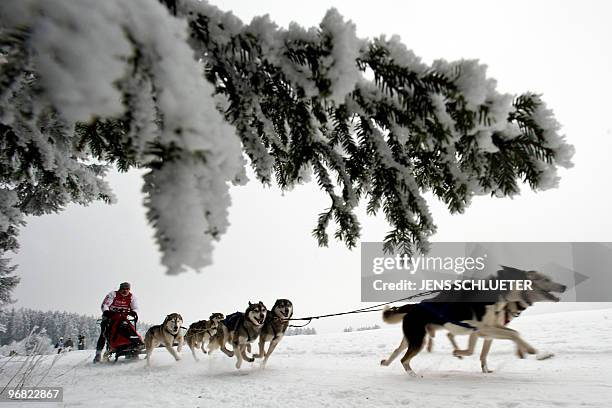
(342, 370)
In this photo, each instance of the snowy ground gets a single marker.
(342, 370)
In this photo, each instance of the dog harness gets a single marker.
(439, 311)
(193, 331)
(169, 332)
(231, 320)
(274, 332)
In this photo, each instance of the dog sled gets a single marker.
(122, 338)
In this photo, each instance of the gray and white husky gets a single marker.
(200, 333)
(167, 334)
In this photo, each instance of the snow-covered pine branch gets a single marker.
(300, 99)
(184, 89)
(108, 82)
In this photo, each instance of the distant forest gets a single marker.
(16, 324)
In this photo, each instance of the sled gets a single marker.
(123, 339)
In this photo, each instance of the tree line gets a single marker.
(17, 324)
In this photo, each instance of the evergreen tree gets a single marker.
(184, 89)
(8, 281)
(27, 323)
(3, 325)
(10, 325)
(19, 329)
(49, 325)
(70, 328)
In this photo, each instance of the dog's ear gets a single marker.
(250, 304)
(535, 275)
(509, 272)
(179, 316)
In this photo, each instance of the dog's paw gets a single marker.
(238, 366)
(384, 363)
(250, 359)
(544, 355)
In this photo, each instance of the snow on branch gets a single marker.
(122, 74)
(184, 89)
(413, 128)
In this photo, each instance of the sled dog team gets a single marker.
(420, 321)
(238, 329)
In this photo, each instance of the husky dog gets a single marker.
(200, 333)
(510, 312)
(166, 333)
(478, 318)
(240, 329)
(274, 328)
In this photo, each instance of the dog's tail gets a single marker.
(393, 315)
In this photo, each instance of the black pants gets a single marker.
(104, 327)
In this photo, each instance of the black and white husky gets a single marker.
(481, 319)
(239, 329)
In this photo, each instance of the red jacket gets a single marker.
(116, 302)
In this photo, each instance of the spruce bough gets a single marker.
(187, 91)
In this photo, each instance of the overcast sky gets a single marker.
(560, 49)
